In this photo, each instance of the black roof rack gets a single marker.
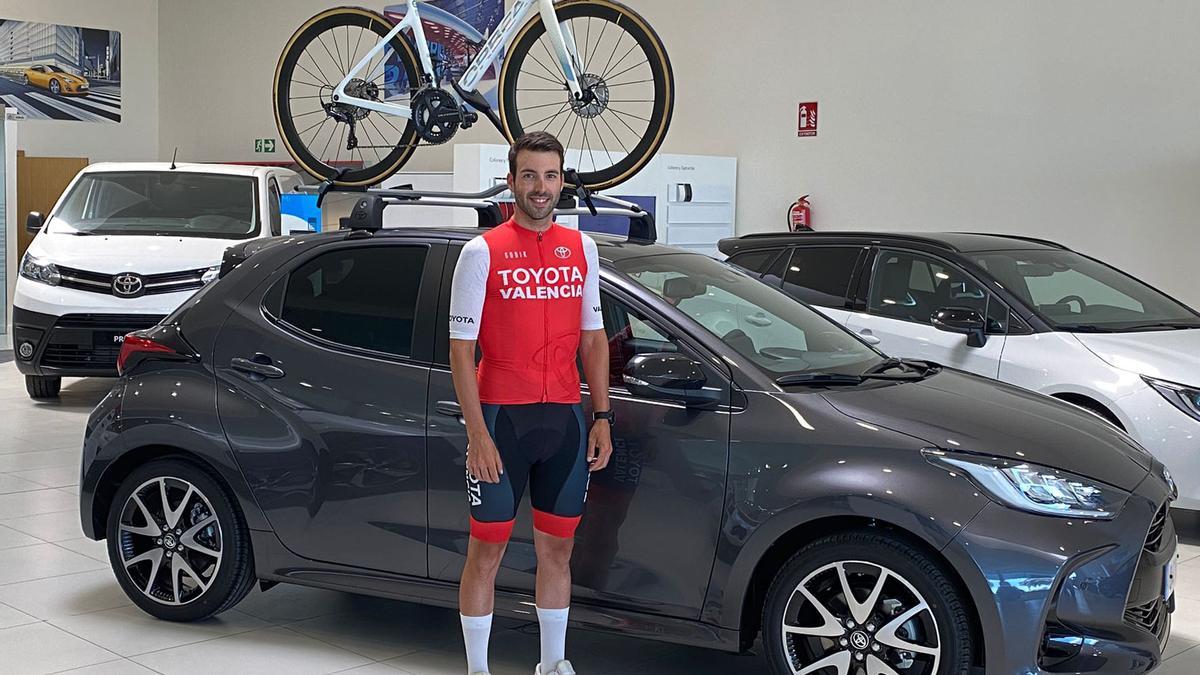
(367, 212)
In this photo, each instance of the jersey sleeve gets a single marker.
(469, 289)
(592, 318)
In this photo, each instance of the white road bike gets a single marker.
(356, 94)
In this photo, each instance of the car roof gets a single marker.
(184, 167)
(961, 242)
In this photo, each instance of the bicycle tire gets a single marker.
(662, 79)
(285, 71)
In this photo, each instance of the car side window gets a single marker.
(911, 287)
(364, 297)
(629, 333)
(820, 275)
(273, 207)
(754, 262)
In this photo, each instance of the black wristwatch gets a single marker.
(605, 415)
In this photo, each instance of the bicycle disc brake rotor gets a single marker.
(436, 115)
(595, 97)
(344, 112)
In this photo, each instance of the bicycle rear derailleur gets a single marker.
(437, 115)
(350, 114)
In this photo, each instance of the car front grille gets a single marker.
(1150, 616)
(90, 341)
(155, 284)
(1154, 540)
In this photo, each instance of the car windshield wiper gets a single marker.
(1168, 325)
(1082, 328)
(907, 366)
(842, 379)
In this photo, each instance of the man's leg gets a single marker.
(476, 597)
(553, 594)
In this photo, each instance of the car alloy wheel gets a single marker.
(55, 87)
(855, 616)
(170, 541)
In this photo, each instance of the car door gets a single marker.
(659, 501)
(905, 289)
(323, 373)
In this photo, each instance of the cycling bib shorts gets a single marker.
(544, 445)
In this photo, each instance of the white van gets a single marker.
(125, 245)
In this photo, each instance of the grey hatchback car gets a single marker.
(295, 422)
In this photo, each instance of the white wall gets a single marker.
(136, 137)
(1074, 120)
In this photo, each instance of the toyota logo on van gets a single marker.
(127, 285)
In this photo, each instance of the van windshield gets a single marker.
(1074, 293)
(768, 328)
(166, 203)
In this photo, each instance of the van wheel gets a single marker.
(178, 543)
(43, 386)
(865, 602)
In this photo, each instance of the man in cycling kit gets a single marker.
(528, 293)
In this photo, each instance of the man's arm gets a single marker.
(467, 294)
(593, 352)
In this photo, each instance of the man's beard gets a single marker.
(529, 209)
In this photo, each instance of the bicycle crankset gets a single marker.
(437, 115)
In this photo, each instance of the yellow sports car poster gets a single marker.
(54, 72)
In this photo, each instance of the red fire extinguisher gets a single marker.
(800, 216)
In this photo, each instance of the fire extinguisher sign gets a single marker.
(807, 125)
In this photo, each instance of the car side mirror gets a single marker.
(669, 376)
(34, 222)
(963, 320)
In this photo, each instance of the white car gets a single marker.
(125, 245)
(1024, 311)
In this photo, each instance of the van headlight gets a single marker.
(1035, 488)
(37, 270)
(210, 275)
(1183, 397)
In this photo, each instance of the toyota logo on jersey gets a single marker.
(562, 252)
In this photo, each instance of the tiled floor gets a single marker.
(62, 610)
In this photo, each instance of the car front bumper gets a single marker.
(72, 345)
(1071, 595)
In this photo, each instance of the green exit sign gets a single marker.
(264, 145)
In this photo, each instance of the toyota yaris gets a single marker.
(295, 422)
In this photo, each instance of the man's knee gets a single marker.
(554, 551)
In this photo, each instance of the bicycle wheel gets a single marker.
(623, 121)
(315, 129)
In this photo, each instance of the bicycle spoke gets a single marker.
(529, 89)
(615, 136)
(630, 68)
(545, 78)
(574, 125)
(553, 59)
(621, 112)
(306, 114)
(311, 73)
(587, 146)
(338, 49)
(544, 105)
(318, 86)
(587, 40)
(349, 58)
(564, 127)
(587, 66)
(297, 98)
(314, 126)
(321, 39)
(616, 46)
(622, 84)
(315, 65)
(636, 134)
(357, 42)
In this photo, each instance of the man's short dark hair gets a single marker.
(535, 141)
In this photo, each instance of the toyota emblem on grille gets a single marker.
(127, 285)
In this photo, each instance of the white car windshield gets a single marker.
(778, 334)
(1075, 293)
(165, 203)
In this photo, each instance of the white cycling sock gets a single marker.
(476, 631)
(552, 624)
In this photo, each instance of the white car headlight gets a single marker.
(1034, 488)
(210, 275)
(1187, 399)
(32, 268)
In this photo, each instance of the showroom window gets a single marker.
(820, 275)
(911, 287)
(364, 298)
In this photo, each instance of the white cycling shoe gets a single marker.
(563, 668)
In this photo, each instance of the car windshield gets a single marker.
(1075, 293)
(167, 203)
(56, 69)
(778, 334)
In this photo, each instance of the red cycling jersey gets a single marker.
(525, 296)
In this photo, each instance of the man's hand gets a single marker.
(599, 445)
(483, 459)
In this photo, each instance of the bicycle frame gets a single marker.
(560, 37)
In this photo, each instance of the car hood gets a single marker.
(1167, 354)
(113, 254)
(958, 411)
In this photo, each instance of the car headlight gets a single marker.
(1183, 397)
(1035, 488)
(32, 268)
(210, 275)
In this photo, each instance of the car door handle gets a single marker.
(868, 337)
(450, 409)
(256, 368)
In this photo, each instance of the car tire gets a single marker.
(905, 609)
(25, 80)
(43, 386)
(55, 87)
(184, 580)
